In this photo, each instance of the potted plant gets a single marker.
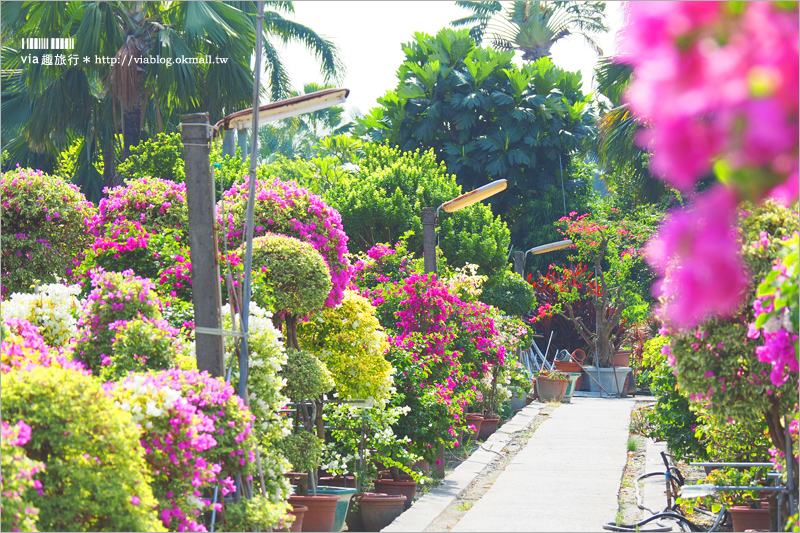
(257, 514)
(551, 385)
(748, 508)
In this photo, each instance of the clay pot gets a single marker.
(338, 481)
(477, 420)
(423, 466)
(380, 510)
(622, 358)
(354, 518)
(569, 367)
(404, 488)
(529, 400)
(745, 518)
(298, 512)
(321, 511)
(488, 426)
(551, 390)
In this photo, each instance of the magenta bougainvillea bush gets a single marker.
(439, 345)
(17, 512)
(155, 203)
(44, 228)
(738, 65)
(23, 347)
(284, 208)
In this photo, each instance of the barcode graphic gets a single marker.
(54, 43)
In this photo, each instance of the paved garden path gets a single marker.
(568, 476)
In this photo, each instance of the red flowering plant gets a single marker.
(547, 319)
(610, 244)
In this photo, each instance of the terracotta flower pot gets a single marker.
(568, 367)
(404, 488)
(476, 420)
(745, 518)
(298, 511)
(338, 481)
(551, 390)
(321, 511)
(380, 510)
(488, 426)
(622, 358)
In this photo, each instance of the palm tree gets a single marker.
(149, 85)
(626, 164)
(482, 13)
(534, 27)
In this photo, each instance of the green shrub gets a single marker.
(510, 293)
(95, 478)
(306, 376)
(384, 198)
(44, 229)
(141, 344)
(160, 157)
(351, 343)
(303, 450)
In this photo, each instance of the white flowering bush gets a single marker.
(53, 308)
(266, 358)
(466, 283)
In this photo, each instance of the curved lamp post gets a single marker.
(519, 257)
(430, 215)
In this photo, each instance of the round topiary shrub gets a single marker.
(306, 376)
(297, 275)
(283, 207)
(95, 478)
(116, 296)
(138, 345)
(509, 293)
(352, 344)
(303, 450)
(155, 203)
(44, 232)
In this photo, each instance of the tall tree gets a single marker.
(129, 72)
(487, 119)
(534, 27)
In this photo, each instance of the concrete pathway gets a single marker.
(566, 478)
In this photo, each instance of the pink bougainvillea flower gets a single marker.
(697, 253)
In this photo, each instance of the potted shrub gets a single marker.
(258, 514)
(748, 508)
(551, 385)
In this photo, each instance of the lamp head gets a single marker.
(467, 199)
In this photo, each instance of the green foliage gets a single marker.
(256, 514)
(351, 343)
(671, 419)
(159, 157)
(95, 477)
(303, 450)
(18, 512)
(139, 345)
(306, 376)
(485, 117)
(380, 443)
(299, 278)
(728, 440)
(44, 229)
(510, 293)
(384, 198)
(107, 303)
(733, 477)
(717, 361)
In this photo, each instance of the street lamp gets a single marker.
(519, 257)
(430, 215)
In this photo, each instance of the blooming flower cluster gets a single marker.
(155, 203)
(18, 514)
(115, 296)
(283, 207)
(779, 323)
(716, 84)
(175, 433)
(53, 308)
(140, 344)
(43, 228)
(23, 347)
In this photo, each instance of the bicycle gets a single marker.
(672, 512)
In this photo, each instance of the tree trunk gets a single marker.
(109, 165)
(131, 130)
